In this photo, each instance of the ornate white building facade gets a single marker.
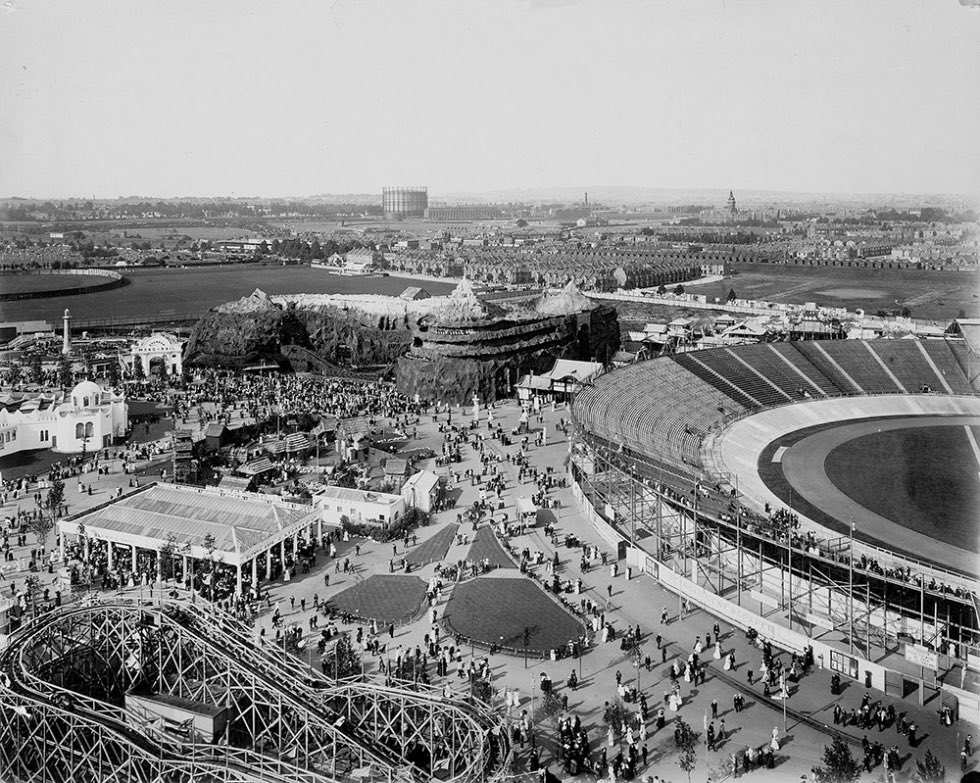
(87, 419)
(158, 346)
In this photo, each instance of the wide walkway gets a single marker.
(636, 601)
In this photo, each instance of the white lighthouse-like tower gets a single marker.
(65, 339)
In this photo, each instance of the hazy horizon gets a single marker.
(238, 99)
(611, 194)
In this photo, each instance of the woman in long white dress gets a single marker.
(729, 661)
(717, 651)
(775, 739)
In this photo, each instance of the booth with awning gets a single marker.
(527, 512)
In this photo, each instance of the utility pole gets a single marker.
(850, 591)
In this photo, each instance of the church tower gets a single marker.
(732, 209)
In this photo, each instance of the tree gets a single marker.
(41, 526)
(344, 661)
(687, 742)
(64, 371)
(209, 546)
(661, 290)
(521, 223)
(732, 296)
(168, 559)
(906, 312)
(481, 691)
(678, 289)
(615, 716)
(35, 369)
(526, 635)
(139, 373)
(33, 589)
(56, 497)
(112, 373)
(839, 764)
(929, 770)
(551, 708)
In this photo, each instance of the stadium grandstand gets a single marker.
(689, 462)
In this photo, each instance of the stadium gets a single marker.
(822, 494)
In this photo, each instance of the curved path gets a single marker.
(804, 466)
(737, 449)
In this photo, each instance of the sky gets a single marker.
(290, 98)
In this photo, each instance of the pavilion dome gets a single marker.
(86, 394)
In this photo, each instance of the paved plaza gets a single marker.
(626, 602)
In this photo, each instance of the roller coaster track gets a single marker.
(65, 714)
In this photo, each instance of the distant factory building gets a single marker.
(404, 202)
(475, 212)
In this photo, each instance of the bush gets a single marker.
(393, 532)
(840, 766)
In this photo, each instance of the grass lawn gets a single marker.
(924, 478)
(389, 598)
(495, 610)
(486, 545)
(433, 548)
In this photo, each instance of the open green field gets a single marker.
(929, 295)
(29, 284)
(923, 478)
(190, 292)
(933, 296)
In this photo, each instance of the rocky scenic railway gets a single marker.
(440, 348)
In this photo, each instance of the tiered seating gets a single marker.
(789, 383)
(858, 362)
(968, 364)
(942, 356)
(816, 378)
(811, 351)
(727, 368)
(908, 364)
(656, 408)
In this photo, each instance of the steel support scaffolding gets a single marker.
(67, 711)
(734, 550)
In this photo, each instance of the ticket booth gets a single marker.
(527, 512)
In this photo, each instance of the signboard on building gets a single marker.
(820, 620)
(921, 656)
(845, 664)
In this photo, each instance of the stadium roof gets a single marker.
(242, 526)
